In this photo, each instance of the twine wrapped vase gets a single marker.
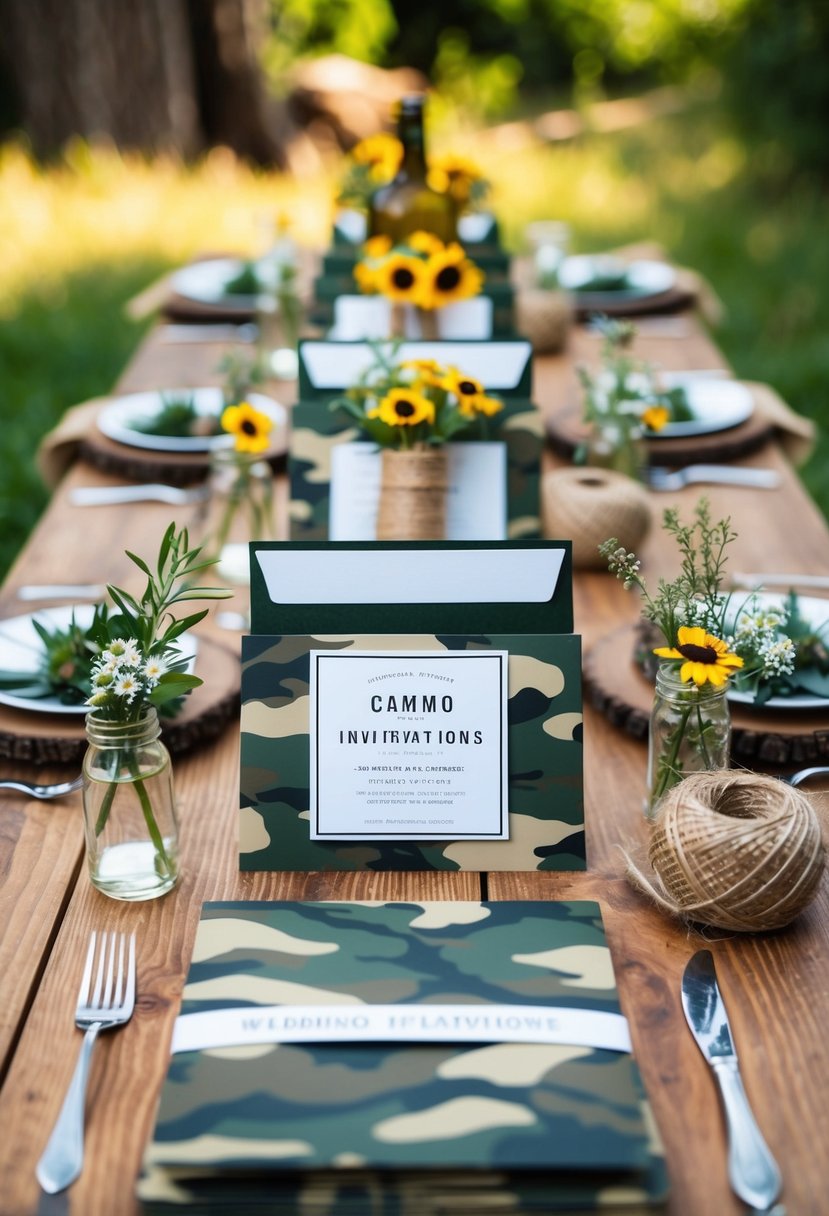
(735, 850)
(588, 505)
(413, 486)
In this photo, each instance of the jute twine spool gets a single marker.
(543, 318)
(589, 505)
(735, 850)
(413, 489)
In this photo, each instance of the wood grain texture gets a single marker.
(775, 985)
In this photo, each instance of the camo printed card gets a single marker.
(543, 780)
(401, 1128)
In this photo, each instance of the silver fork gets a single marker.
(107, 1002)
(43, 791)
(716, 474)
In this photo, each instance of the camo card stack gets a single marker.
(399, 1128)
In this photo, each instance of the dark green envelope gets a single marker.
(402, 1128)
(545, 794)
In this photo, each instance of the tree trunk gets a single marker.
(120, 69)
(151, 74)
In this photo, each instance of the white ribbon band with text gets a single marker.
(415, 1023)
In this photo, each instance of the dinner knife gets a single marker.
(99, 496)
(752, 1171)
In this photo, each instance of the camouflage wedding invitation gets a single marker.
(408, 744)
(389, 768)
(334, 1128)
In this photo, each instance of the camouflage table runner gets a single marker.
(546, 811)
(397, 1128)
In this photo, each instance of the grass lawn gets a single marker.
(82, 237)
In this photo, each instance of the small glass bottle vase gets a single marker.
(129, 808)
(690, 732)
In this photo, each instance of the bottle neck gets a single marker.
(410, 133)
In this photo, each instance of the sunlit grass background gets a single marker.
(83, 236)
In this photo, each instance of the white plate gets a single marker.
(644, 278)
(118, 419)
(21, 649)
(206, 282)
(816, 612)
(717, 405)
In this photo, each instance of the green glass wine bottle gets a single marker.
(408, 203)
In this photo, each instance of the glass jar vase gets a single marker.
(241, 496)
(129, 808)
(690, 732)
(619, 448)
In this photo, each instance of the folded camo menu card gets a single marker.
(436, 1057)
(419, 735)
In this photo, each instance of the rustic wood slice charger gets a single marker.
(674, 299)
(620, 690)
(42, 738)
(173, 468)
(567, 431)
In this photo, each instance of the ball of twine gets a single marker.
(735, 850)
(544, 318)
(589, 505)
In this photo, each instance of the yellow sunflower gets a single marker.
(425, 242)
(401, 278)
(453, 175)
(382, 155)
(655, 417)
(429, 371)
(365, 276)
(251, 428)
(704, 657)
(404, 407)
(450, 276)
(377, 246)
(466, 389)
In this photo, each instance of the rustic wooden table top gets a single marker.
(776, 985)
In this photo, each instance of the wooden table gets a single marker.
(777, 986)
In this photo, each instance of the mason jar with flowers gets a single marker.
(130, 820)
(623, 405)
(241, 481)
(412, 409)
(690, 726)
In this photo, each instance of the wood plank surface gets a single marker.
(775, 985)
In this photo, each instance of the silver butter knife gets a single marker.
(713, 474)
(102, 496)
(752, 1171)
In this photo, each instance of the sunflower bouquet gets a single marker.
(374, 162)
(417, 402)
(690, 725)
(423, 271)
(622, 403)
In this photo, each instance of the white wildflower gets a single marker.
(126, 686)
(132, 655)
(153, 670)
